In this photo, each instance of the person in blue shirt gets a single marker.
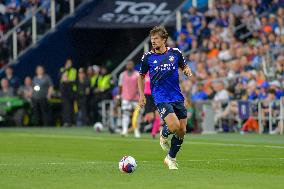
(163, 64)
(199, 94)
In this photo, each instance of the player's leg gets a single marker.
(138, 120)
(174, 127)
(126, 113)
(167, 114)
(177, 139)
(156, 124)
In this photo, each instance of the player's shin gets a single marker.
(176, 143)
(165, 131)
(125, 122)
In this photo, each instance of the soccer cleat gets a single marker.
(164, 143)
(171, 163)
(137, 133)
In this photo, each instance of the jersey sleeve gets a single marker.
(181, 60)
(144, 67)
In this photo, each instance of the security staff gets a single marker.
(68, 90)
(102, 91)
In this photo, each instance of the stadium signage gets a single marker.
(130, 13)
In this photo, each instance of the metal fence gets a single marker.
(210, 116)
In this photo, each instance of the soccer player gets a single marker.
(129, 95)
(163, 63)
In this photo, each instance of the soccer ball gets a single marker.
(98, 126)
(127, 164)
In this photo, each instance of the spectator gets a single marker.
(6, 90)
(26, 91)
(279, 29)
(199, 94)
(14, 82)
(69, 71)
(104, 84)
(67, 97)
(276, 86)
(83, 93)
(194, 17)
(183, 42)
(42, 91)
(221, 92)
(94, 74)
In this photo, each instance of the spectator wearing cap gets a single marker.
(276, 86)
(261, 92)
(95, 70)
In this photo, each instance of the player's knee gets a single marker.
(182, 130)
(173, 126)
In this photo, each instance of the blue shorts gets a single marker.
(178, 108)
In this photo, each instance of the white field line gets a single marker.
(107, 162)
(148, 140)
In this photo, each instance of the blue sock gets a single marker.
(175, 146)
(165, 131)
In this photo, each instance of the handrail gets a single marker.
(10, 32)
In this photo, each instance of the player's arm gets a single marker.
(144, 68)
(183, 66)
(187, 71)
(142, 98)
(181, 84)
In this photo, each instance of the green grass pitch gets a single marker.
(79, 158)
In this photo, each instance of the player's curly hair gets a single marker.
(161, 31)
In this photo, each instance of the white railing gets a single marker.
(13, 31)
(205, 114)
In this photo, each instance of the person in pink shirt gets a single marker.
(150, 112)
(129, 94)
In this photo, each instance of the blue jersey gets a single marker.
(164, 77)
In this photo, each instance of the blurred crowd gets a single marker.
(235, 49)
(12, 12)
(218, 53)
